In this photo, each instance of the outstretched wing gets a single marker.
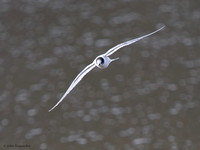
(75, 82)
(117, 47)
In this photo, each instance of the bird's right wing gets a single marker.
(75, 82)
(117, 47)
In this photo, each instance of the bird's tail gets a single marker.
(114, 59)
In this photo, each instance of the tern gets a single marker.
(102, 62)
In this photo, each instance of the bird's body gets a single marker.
(102, 62)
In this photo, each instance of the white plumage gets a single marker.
(102, 62)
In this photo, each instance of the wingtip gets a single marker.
(162, 27)
(58, 102)
(158, 29)
(51, 109)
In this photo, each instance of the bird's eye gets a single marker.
(102, 60)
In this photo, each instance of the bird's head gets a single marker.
(102, 62)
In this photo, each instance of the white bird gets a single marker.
(102, 62)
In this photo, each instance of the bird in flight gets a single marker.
(102, 62)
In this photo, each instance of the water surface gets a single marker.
(148, 99)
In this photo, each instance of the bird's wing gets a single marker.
(75, 82)
(117, 47)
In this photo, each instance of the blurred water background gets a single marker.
(147, 100)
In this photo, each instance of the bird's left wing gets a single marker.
(75, 82)
(117, 47)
